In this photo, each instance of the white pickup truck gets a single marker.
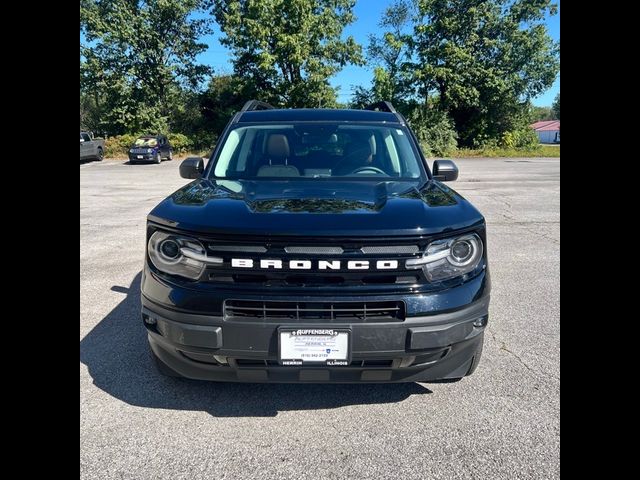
(91, 147)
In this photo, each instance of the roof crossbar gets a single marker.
(252, 105)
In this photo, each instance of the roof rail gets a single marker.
(381, 106)
(386, 107)
(252, 105)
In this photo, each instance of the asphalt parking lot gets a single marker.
(501, 422)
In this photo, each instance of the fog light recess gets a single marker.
(221, 359)
(481, 322)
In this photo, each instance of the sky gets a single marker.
(368, 13)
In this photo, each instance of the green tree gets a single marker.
(89, 114)
(485, 59)
(288, 49)
(390, 52)
(225, 95)
(137, 56)
(361, 97)
(434, 130)
(537, 114)
(556, 106)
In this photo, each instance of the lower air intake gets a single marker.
(333, 312)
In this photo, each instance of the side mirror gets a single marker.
(445, 170)
(81, 140)
(192, 167)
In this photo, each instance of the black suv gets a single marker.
(150, 148)
(316, 245)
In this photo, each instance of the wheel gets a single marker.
(476, 359)
(158, 158)
(170, 157)
(100, 155)
(163, 368)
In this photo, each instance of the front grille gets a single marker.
(308, 253)
(332, 312)
(393, 250)
(237, 248)
(315, 250)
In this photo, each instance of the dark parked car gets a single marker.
(316, 245)
(151, 148)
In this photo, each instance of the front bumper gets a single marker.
(435, 345)
(146, 157)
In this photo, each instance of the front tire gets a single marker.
(158, 158)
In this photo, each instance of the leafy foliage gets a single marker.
(524, 137)
(485, 60)
(556, 106)
(136, 58)
(224, 96)
(288, 49)
(390, 51)
(537, 114)
(461, 71)
(119, 145)
(434, 131)
(180, 143)
(361, 97)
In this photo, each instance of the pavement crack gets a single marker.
(502, 346)
(519, 223)
(537, 233)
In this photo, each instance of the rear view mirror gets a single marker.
(192, 167)
(445, 170)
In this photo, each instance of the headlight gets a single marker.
(149, 150)
(449, 258)
(178, 255)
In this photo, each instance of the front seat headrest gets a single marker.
(278, 147)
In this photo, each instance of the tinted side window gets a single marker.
(86, 137)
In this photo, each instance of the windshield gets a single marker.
(146, 142)
(317, 150)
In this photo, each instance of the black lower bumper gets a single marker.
(420, 348)
(147, 157)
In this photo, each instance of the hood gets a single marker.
(316, 207)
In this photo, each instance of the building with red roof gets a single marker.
(548, 131)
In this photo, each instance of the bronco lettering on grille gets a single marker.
(315, 264)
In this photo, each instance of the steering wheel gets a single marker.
(370, 169)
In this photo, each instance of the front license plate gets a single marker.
(325, 346)
(140, 156)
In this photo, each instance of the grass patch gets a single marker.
(541, 151)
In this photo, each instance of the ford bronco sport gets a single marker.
(316, 245)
